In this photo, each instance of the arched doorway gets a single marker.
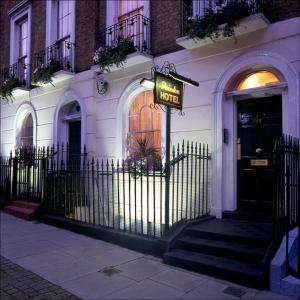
(227, 96)
(69, 129)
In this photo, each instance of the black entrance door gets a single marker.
(259, 125)
(74, 141)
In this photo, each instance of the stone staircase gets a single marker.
(234, 248)
(24, 210)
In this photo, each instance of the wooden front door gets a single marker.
(259, 124)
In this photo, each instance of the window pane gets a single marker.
(27, 132)
(137, 104)
(156, 119)
(24, 32)
(134, 123)
(146, 119)
(126, 6)
(258, 79)
(23, 47)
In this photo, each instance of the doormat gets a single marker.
(109, 271)
(230, 290)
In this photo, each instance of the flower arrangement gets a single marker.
(44, 73)
(219, 21)
(116, 54)
(7, 87)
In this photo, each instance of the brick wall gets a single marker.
(38, 27)
(90, 15)
(166, 25)
(5, 6)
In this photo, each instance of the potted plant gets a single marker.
(115, 54)
(44, 73)
(219, 21)
(7, 87)
(143, 158)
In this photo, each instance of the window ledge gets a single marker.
(20, 91)
(132, 59)
(58, 77)
(244, 26)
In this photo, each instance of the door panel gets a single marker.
(74, 140)
(259, 124)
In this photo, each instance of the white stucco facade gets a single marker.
(208, 109)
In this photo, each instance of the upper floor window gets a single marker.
(20, 44)
(130, 8)
(23, 38)
(23, 48)
(64, 19)
(60, 33)
(60, 23)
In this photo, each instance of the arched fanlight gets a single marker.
(258, 79)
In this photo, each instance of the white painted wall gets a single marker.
(103, 124)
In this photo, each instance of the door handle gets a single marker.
(238, 149)
(258, 150)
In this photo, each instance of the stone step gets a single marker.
(236, 231)
(241, 252)
(248, 216)
(248, 274)
(24, 204)
(21, 212)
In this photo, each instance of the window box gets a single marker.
(244, 26)
(14, 81)
(54, 64)
(132, 59)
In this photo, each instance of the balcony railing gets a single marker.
(137, 28)
(18, 72)
(61, 54)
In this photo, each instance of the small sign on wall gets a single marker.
(259, 162)
(167, 91)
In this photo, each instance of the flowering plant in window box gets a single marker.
(143, 158)
(7, 87)
(220, 21)
(116, 54)
(44, 73)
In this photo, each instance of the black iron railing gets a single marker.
(286, 203)
(126, 195)
(136, 28)
(5, 175)
(60, 55)
(18, 72)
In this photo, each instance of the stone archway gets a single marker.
(224, 110)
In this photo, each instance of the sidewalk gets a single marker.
(93, 269)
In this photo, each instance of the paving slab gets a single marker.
(179, 279)
(146, 289)
(93, 269)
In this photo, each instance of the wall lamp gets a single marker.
(183, 79)
(148, 83)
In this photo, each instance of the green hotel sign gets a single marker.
(167, 91)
